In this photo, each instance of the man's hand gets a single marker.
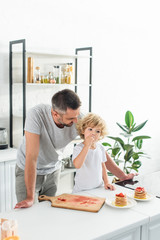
(129, 176)
(25, 203)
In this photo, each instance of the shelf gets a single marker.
(29, 54)
(52, 84)
(27, 94)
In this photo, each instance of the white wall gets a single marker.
(125, 37)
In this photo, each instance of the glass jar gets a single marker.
(51, 78)
(3, 138)
(68, 73)
(62, 78)
(42, 78)
(57, 74)
(37, 75)
(9, 229)
(46, 79)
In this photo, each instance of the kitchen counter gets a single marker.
(8, 154)
(42, 221)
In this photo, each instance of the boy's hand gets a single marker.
(109, 186)
(89, 141)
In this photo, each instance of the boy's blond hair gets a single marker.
(91, 120)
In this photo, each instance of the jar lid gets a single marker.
(37, 68)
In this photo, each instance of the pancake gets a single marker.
(121, 200)
(140, 193)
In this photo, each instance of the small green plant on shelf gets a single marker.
(128, 153)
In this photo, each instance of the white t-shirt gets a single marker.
(89, 176)
(52, 139)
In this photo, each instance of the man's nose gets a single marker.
(75, 120)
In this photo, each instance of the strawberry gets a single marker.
(120, 195)
(139, 189)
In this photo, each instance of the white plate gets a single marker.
(111, 203)
(148, 197)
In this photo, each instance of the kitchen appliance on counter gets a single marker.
(69, 163)
(150, 182)
(3, 138)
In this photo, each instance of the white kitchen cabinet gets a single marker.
(151, 230)
(10, 196)
(133, 234)
(7, 179)
(2, 188)
(154, 230)
(66, 181)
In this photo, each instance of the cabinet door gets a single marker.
(2, 188)
(65, 183)
(133, 234)
(10, 196)
(154, 230)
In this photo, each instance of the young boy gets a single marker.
(89, 156)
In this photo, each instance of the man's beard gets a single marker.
(62, 124)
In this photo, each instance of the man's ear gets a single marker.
(54, 113)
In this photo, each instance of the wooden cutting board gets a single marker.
(76, 202)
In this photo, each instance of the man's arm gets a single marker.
(32, 150)
(114, 169)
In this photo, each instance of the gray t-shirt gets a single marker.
(52, 139)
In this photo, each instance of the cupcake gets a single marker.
(121, 200)
(140, 193)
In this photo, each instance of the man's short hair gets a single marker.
(65, 99)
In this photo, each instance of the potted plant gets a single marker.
(128, 152)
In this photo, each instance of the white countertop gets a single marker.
(42, 221)
(8, 154)
(11, 154)
(149, 208)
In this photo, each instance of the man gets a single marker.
(47, 131)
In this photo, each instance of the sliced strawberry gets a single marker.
(140, 189)
(62, 199)
(120, 195)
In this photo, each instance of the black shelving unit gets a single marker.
(90, 72)
(23, 42)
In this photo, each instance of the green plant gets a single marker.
(132, 149)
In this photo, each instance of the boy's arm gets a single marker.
(104, 174)
(107, 185)
(79, 160)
